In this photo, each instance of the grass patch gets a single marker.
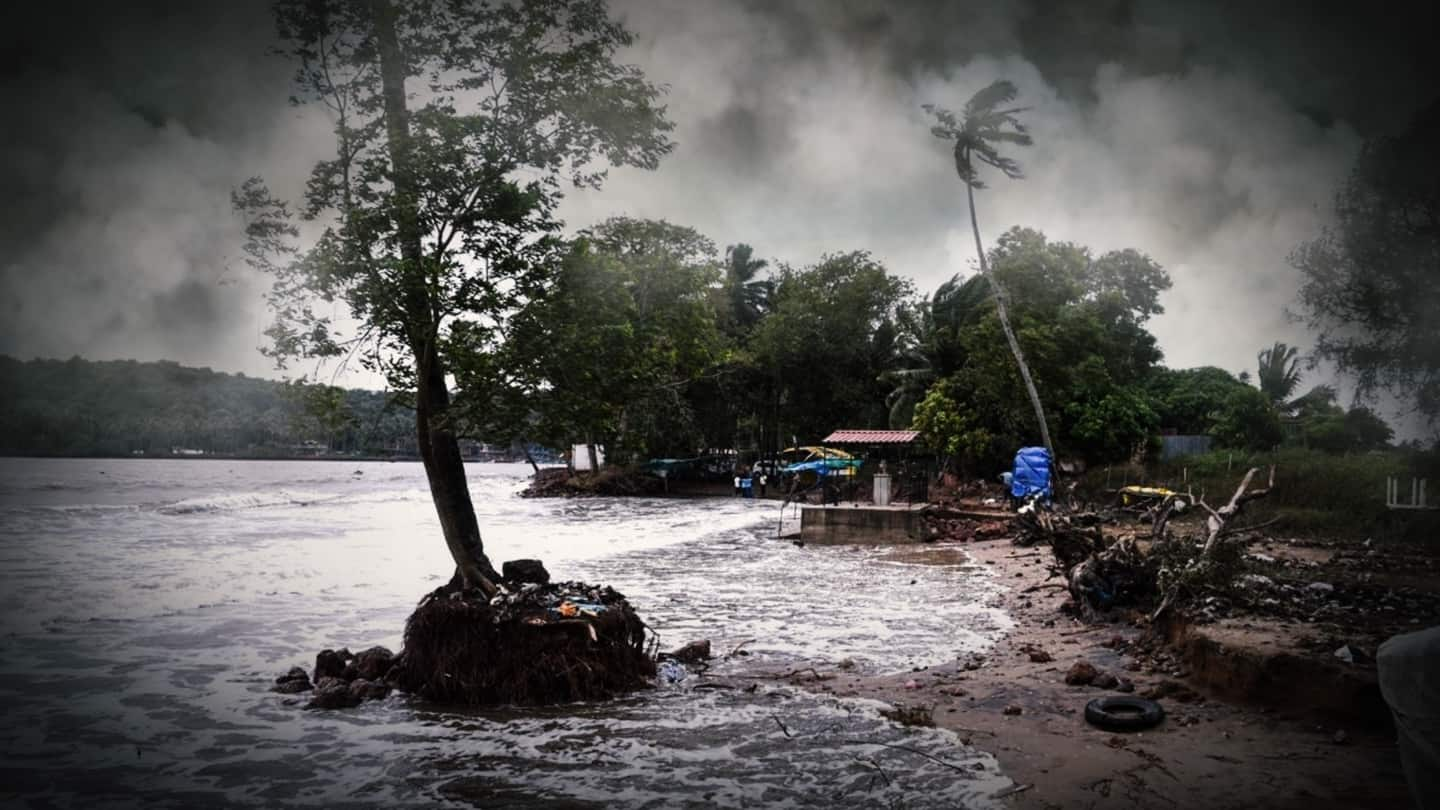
(1316, 494)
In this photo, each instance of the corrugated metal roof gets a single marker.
(872, 437)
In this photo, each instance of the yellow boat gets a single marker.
(1134, 494)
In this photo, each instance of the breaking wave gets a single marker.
(246, 500)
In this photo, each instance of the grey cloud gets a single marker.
(1208, 134)
(133, 125)
(1141, 141)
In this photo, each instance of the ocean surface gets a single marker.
(146, 606)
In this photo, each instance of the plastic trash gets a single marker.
(671, 672)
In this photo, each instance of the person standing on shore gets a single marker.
(764, 481)
(737, 484)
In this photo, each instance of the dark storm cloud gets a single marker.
(1370, 66)
(1209, 134)
(127, 126)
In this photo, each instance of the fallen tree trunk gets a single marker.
(1102, 572)
(1216, 526)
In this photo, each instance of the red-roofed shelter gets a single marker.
(907, 463)
(869, 437)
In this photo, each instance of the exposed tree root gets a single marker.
(546, 644)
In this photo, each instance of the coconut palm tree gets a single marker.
(988, 122)
(1279, 372)
(748, 297)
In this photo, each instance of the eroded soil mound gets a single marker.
(535, 643)
(558, 482)
(554, 643)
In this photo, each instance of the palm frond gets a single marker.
(987, 123)
(1000, 91)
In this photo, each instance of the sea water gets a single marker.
(146, 607)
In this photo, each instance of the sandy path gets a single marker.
(1206, 754)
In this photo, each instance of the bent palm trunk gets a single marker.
(1009, 333)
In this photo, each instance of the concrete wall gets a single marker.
(862, 524)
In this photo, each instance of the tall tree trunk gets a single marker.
(525, 448)
(1009, 333)
(439, 448)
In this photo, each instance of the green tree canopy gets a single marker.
(1278, 370)
(1213, 402)
(830, 335)
(1082, 322)
(988, 122)
(456, 124)
(610, 352)
(747, 296)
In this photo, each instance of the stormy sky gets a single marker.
(1211, 135)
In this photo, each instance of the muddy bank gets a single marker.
(560, 482)
(1212, 749)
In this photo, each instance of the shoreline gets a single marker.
(1209, 752)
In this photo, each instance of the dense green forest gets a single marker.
(654, 343)
(80, 408)
(651, 342)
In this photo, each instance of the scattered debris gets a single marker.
(919, 716)
(670, 672)
(1171, 689)
(1037, 655)
(1013, 710)
(695, 652)
(1081, 673)
(1010, 791)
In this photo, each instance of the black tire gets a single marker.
(1123, 713)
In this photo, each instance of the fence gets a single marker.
(1417, 494)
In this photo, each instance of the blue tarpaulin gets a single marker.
(1032, 473)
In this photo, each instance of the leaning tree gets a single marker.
(988, 122)
(457, 124)
(1370, 281)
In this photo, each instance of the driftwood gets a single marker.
(1099, 571)
(1102, 572)
(1216, 527)
(1215, 524)
(1119, 575)
(1070, 539)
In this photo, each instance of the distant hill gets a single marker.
(77, 407)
